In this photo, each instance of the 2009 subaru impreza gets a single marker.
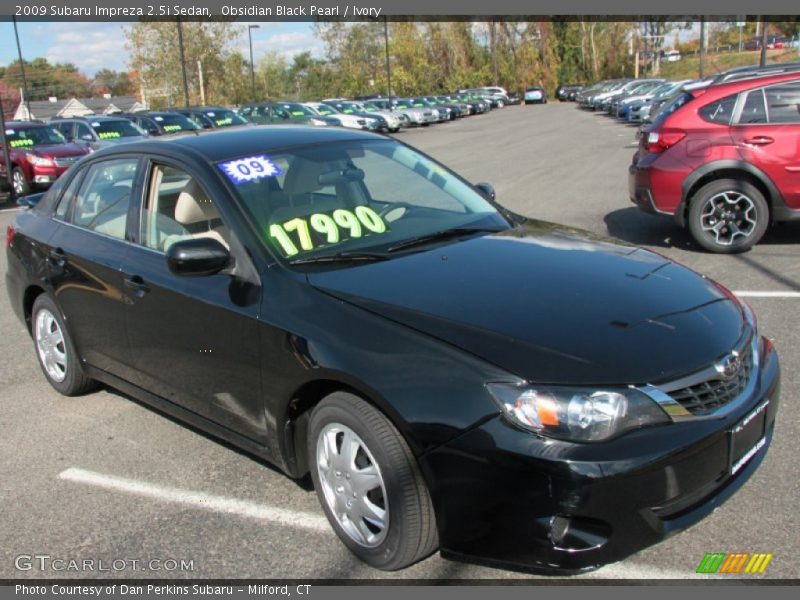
(453, 376)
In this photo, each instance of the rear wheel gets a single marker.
(728, 216)
(54, 349)
(369, 485)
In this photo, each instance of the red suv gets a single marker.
(39, 154)
(724, 161)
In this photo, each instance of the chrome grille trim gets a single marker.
(669, 395)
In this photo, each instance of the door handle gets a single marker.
(58, 257)
(759, 140)
(137, 285)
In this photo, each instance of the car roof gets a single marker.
(222, 144)
(21, 124)
(92, 118)
(738, 85)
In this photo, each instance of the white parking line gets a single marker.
(295, 518)
(233, 506)
(752, 294)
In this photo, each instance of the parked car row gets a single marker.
(41, 152)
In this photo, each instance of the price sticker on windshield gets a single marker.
(171, 128)
(109, 135)
(20, 143)
(250, 168)
(303, 234)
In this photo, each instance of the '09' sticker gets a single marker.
(320, 229)
(250, 168)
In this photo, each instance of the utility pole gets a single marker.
(702, 45)
(183, 64)
(22, 69)
(493, 46)
(6, 156)
(252, 66)
(764, 28)
(388, 67)
(202, 88)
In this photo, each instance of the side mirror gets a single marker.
(30, 200)
(87, 137)
(197, 257)
(486, 190)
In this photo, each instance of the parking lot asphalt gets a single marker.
(102, 477)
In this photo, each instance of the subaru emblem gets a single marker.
(729, 366)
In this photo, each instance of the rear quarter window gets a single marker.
(719, 111)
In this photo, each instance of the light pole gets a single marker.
(252, 66)
(22, 69)
(388, 65)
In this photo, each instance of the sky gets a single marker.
(94, 46)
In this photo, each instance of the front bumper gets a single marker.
(513, 499)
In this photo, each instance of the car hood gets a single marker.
(551, 304)
(59, 150)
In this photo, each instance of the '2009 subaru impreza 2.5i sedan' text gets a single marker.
(452, 375)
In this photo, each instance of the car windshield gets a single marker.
(671, 106)
(174, 122)
(326, 110)
(333, 199)
(297, 110)
(28, 137)
(116, 128)
(222, 117)
(370, 107)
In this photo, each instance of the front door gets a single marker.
(767, 132)
(194, 340)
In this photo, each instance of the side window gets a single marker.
(719, 111)
(783, 102)
(68, 195)
(148, 125)
(65, 129)
(82, 131)
(104, 197)
(754, 110)
(178, 208)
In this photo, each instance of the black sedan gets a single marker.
(452, 375)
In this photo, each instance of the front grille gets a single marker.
(707, 396)
(66, 161)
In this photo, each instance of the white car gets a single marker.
(334, 117)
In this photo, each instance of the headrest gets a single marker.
(303, 176)
(194, 206)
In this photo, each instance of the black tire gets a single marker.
(21, 185)
(751, 215)
(74, 382)
(410, 534)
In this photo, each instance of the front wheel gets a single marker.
(728, 216)
(369, 485)
(55, 351)
(21, 185)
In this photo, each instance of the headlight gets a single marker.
(39, 161)
(577, 414)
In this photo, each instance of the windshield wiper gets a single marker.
(440, 235)
(340, 257)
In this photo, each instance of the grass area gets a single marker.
(688, 66)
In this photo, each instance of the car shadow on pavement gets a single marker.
(304, 483)
(634, 226)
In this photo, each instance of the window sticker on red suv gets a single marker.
(250, 168)
(20, 143)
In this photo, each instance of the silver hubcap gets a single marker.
(18, 181)
(727, 216)
(50, 345)
(352, 485)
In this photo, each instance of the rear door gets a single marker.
(194, 340)
(85, 258)
(767, 132)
